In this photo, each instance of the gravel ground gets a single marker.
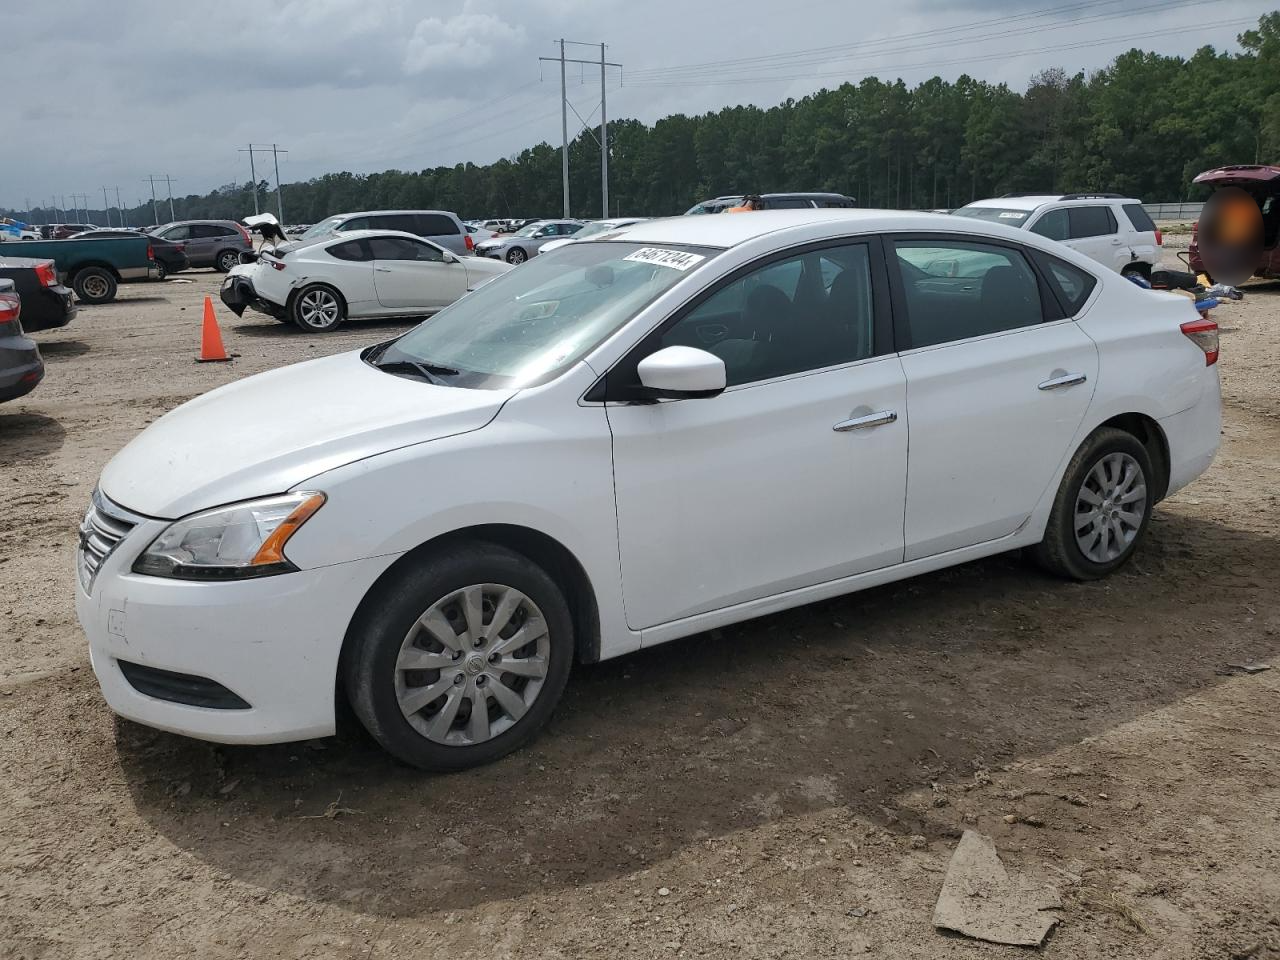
(789, 787)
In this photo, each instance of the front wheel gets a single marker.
(227, 259)
(317, 309)
(517, 256)
(1102, 509)
(461, 659)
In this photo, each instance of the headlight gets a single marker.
(230, 543)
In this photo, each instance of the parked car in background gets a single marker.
(170, 257)
(479, 234)
(319, 283)
(21, 366)
(93, 268)
(46, 303)
(595, 228)
(776, 201)
(518, 247)
(555, 469)
(208, 243)
(438, 226)
(61, 231)
(1108, 227)
(1262, 182)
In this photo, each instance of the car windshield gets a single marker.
(592, 229)
(532, 323)
(323, 227)
(1009, 217)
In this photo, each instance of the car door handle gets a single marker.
(1066, 380)
(382, 269)
(870, 420)
(1116, 241)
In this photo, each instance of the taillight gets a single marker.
(276, 264)
(10, 311)
(471, 244)
(46, 274)
(151, 254)
(244, 233)
(1159, 238)
(1204, 334)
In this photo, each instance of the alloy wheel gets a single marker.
(473, 664)
(95, 287)
(318, 309)
(1110, 507)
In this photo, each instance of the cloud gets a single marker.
(468, 39)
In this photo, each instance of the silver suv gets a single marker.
(208, 243)
(439, 226)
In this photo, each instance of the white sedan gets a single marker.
(593, 229)
(634, 440)
(358, 274)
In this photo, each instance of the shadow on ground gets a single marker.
(28, 436)
(63, 349)
(266, 327)
(854, 702)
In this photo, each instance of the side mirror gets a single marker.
(450, 257)
(682, 373)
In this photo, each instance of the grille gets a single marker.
(101, 531)
(180, 687)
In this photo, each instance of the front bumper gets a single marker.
(493, 253)
(239, 293)
(273, 642)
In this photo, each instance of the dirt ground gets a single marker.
(790, 787)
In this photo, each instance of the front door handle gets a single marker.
(382, 269)
(870, 420)
(1066, 380)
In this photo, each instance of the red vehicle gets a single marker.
(1263, 182)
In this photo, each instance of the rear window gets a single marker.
(842, 203)
(787, 203)
(1071, 284)
(1138, 217)
(1091, 222)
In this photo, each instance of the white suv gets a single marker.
(1108, 227)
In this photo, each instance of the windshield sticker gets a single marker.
(1012, 215)
(675, 259)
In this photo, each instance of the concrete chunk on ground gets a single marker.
(979, 899)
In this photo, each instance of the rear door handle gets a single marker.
(383, 269)
(870, 420)
(1066, 380)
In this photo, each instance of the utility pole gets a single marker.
(275, 158)
(120, 207)
(564, 120)
(155, 213)
(276, 150)
(253, 178)
(106, 206)
(169, 184)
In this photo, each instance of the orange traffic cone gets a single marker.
(211, 348)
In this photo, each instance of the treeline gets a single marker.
(1145, 125)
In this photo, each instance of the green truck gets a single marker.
(92, 268)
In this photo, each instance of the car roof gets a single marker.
(347, 235)
(379, 213)
(1036, 200)
(728, 230)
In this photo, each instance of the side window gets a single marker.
(955, 290)
(842, 204)
(402, 248)
(568, 229)
(1091, 222)
(1138, 217)
(1071, 284)
(1052, 225)
(355, 223)
(434, 225)
(787, 203)
(392, 221)
(205, 231)
(351, 250)
(786, 317)
(177, 233)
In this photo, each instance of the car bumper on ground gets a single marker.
(251, 661)
(239, 294)
(51, 307)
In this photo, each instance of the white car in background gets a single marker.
(593, 229)
(1110, 228)
(319, 283)
(634, 440)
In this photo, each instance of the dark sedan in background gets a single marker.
(169, 256)
(21, 366)
(46, 303)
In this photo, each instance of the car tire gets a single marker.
(162, 272)
(227, 259)
(443, 714)
(517, 256)
(1102, 509)
(94, 285)
(317, 308)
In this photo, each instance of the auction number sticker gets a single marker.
(675, 259)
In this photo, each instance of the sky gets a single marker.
(110, 93)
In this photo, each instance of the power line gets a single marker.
(603, 139)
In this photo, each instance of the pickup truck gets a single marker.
(92, 268)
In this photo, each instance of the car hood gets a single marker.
(268, 433)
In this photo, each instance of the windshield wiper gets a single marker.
(431, 372)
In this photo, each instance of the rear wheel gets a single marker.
(461, 659)
(227, 259)
(317, 309)
(161, 270)
(95, 285)
(1102, 509)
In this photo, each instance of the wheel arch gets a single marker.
(1147, 431)
(540, 548)
(85, 265)
(308, 282)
